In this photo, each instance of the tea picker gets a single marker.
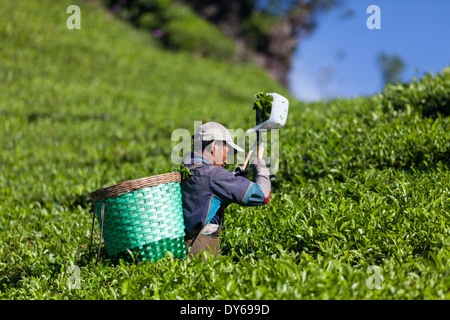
(276, 120)
(143, 219)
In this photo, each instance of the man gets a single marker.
(211, 188)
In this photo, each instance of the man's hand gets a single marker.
(261, 150)
(239, 172)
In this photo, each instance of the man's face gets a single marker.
(219, 153)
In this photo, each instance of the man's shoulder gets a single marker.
(220, 171)
(204, 167)
(214, 172)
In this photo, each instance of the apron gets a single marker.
(207, 239)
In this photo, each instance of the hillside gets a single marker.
(362, 182)
(102, 94)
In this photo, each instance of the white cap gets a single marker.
(215, 131)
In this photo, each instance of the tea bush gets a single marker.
(187, 31)
(429, 96)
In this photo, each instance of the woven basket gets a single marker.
(143, 215)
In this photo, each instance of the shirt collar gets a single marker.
(198, 158)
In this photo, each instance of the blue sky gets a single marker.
(339, 58)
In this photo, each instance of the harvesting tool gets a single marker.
(276, 120)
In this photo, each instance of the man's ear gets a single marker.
(213, 147)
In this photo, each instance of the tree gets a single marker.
(391, 68)
(264, 31)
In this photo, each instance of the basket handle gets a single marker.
(92, 232)
(101, 232)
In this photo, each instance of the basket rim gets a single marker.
(127, 186)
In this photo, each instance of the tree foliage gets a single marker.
(264, 31)
(391, 68)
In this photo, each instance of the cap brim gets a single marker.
(234, 146)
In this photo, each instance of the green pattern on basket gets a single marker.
(148, 222)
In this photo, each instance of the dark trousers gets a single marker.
(196, 243)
